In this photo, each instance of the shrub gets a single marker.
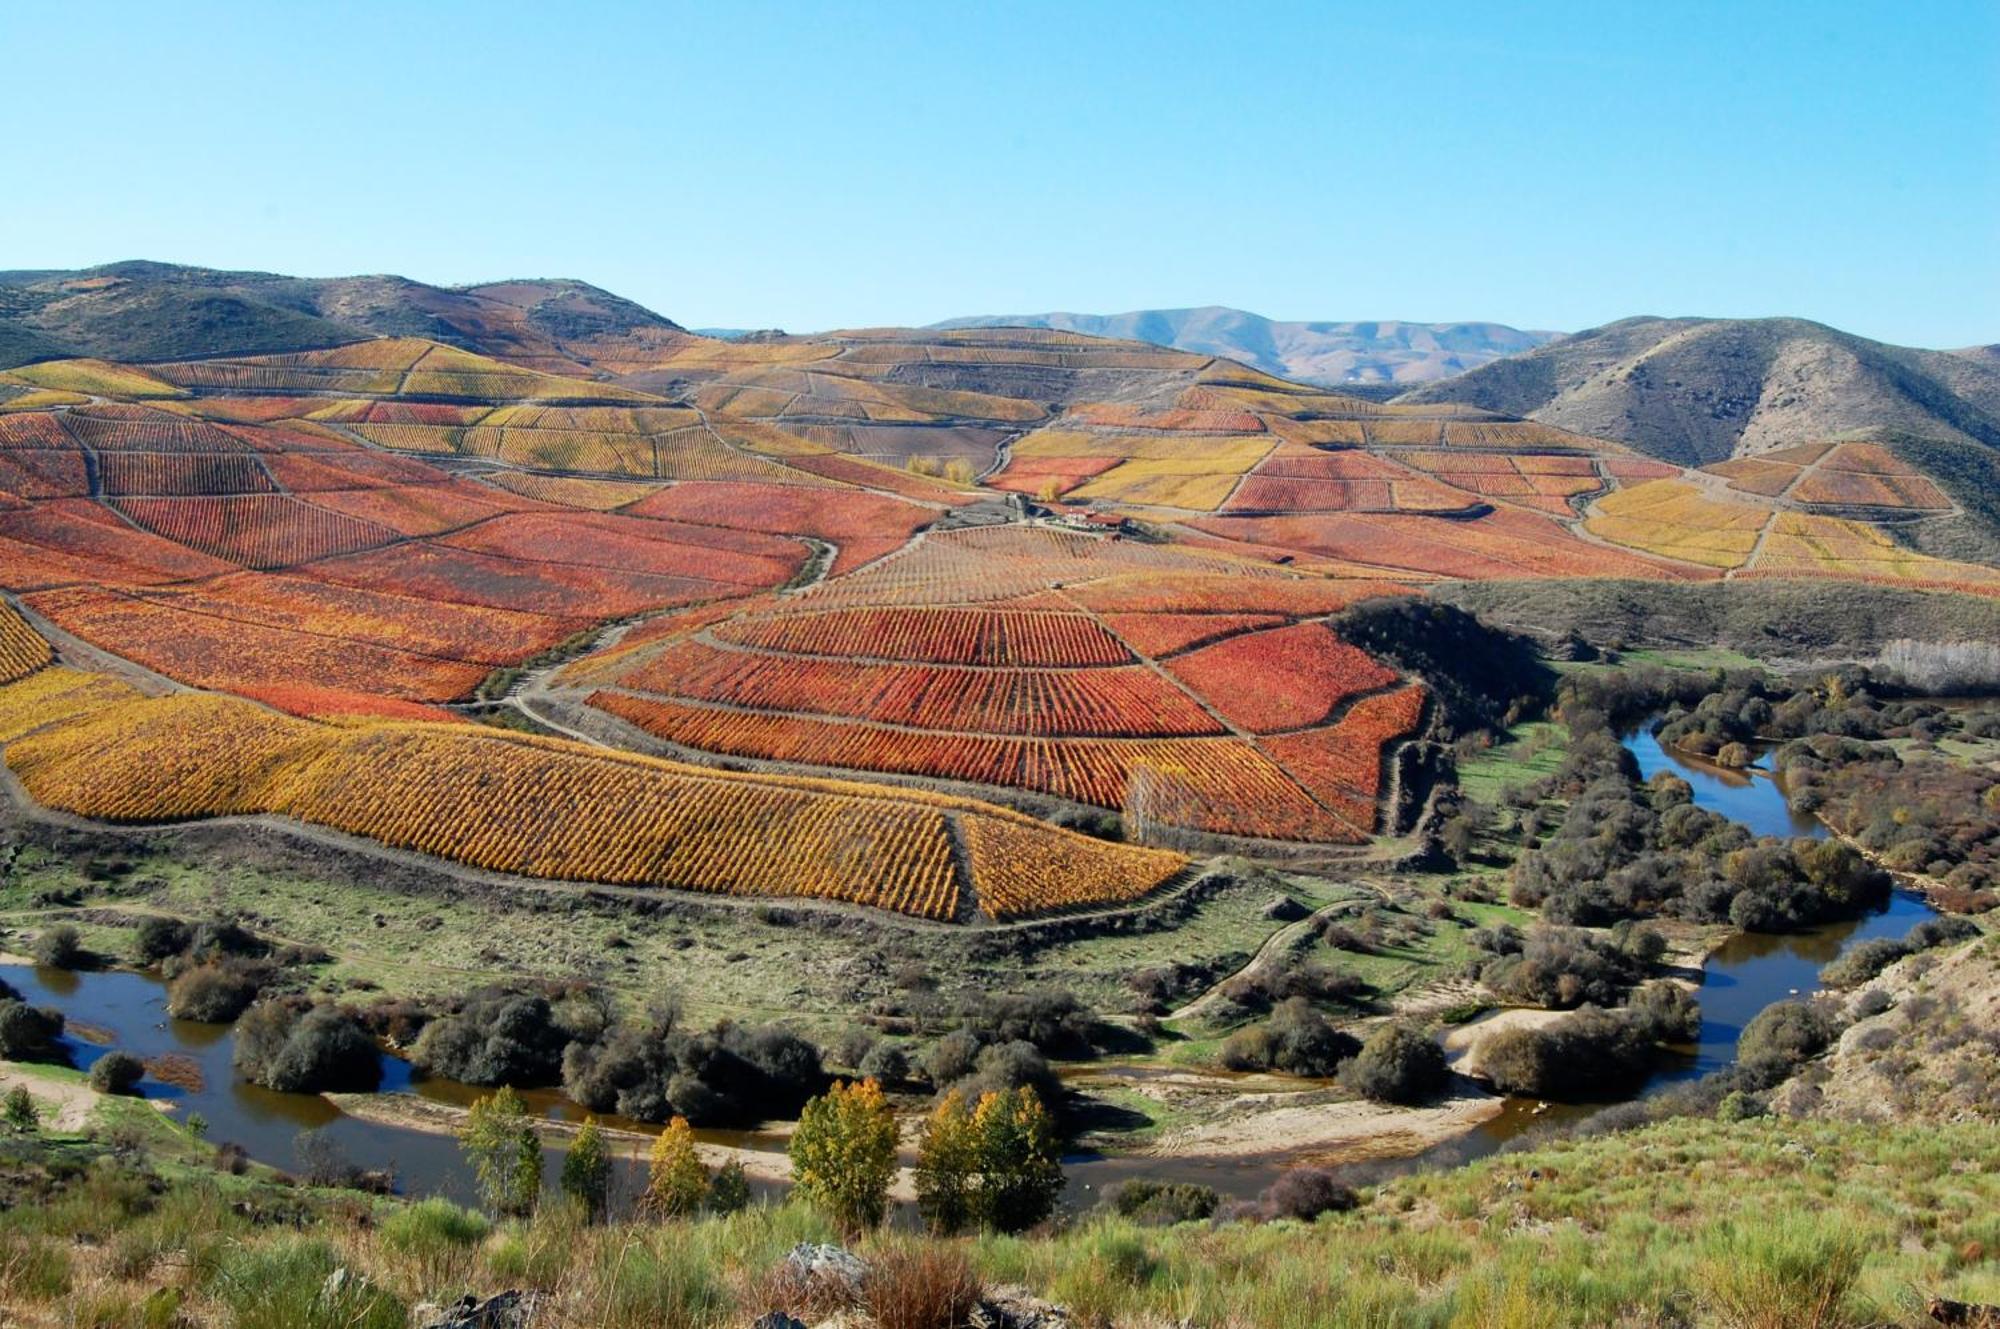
(494, 1038)
(1164, 1203)
(1591, 1054)
(1781, 1038)
(117, 1073)
(18, 1110)
(159, 938)
(887, 1063)
(1788, 1272)
(1005, 1067)
(1305, 1193)
(212, 993)
(1863, 962)
(1296, 1039)
(653, 1070)
(321, 1049)
(729, 1192)
(60, 947)
(920, 1286)
(29, 1033)
(1398, 1064)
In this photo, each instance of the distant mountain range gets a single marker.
(1695, 390)
(162, 311)
(1335, 354)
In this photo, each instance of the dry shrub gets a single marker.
(921, 1286)
(804, 1295)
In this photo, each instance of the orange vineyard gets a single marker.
(550, 808)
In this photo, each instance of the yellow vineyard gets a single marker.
(22, 650)
(549, 808)
(1676, 520)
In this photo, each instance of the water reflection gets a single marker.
(1753, 798)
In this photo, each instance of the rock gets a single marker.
(823, 1264)
(511, 1309)
(777, 1320)
(1010, 1307)
(1967, 1313)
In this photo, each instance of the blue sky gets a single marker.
(813, 166)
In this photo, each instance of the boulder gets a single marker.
(1009, 1307)
(511, 1309)
(825, 1264)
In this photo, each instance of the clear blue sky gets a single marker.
(813, 166)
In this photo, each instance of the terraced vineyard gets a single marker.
(1060, 572)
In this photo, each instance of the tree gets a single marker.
(844, 1154)
(506, 1157)
(20, 1111)
(995, 1164)
(676, 1181)
(586, 1170)
(948, 1165)
(1020, 1175)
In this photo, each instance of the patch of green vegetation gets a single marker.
(1527, 753)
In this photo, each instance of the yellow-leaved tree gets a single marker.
(676, 1181)
(948, 1166)
(844, 1154)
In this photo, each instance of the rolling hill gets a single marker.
(1695, 391)
(161, 311)
(1389, 351)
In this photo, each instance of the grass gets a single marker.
(1530, 752)
(1692, 1222)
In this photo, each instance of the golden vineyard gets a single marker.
(90, 745)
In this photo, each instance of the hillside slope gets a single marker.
(1389, 351)
(161, 311)
(1693, 390)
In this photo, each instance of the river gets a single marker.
(116, 1008)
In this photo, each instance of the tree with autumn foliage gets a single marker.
(995, 1164)
(844, 1154)
(676, 1181)
(505, 1153)
(948, 1166)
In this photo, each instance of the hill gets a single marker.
(161, 311)
(1694, 390)
(1389, 351)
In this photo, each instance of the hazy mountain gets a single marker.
(1329, 353)
(1696, 390)
(139, 311)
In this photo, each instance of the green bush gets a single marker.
(60, 947)
(1398, 1064)
(1788, 1271)
(117, 1073)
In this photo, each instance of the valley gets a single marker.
(1284, 788)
